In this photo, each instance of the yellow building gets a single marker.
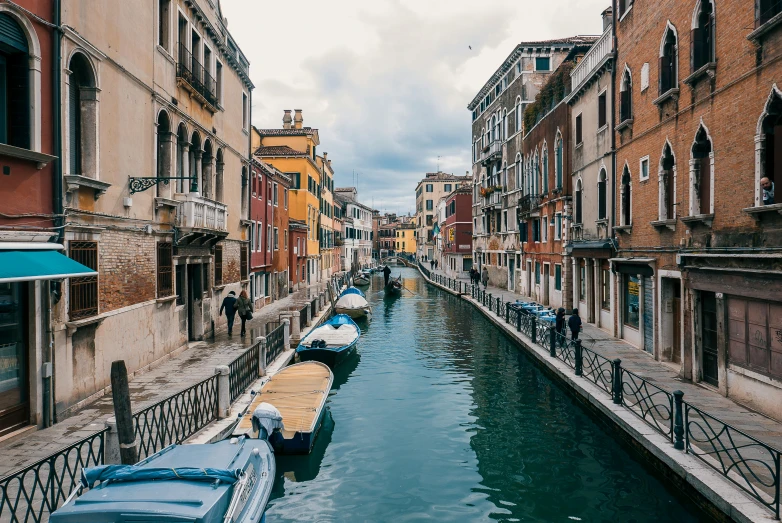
(329, 256)
(405, 238)
(292, 150)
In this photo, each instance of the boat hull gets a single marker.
(353, 313)
(330, 357)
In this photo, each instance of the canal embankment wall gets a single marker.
(684, 472)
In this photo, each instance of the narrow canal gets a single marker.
(441, 418)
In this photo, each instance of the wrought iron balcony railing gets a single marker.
(529, 203)
(190, 70)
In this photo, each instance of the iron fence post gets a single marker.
(617, 385)
(223, 391)
(579, 359)
(678, 420)
(507, 312)
(779, 483)
(552, 351)
(489, 300)
(534, 329)
(499, 300)
(262, 356)
(518, 321)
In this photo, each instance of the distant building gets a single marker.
(457, 233)
(428, 193)
(357, 229)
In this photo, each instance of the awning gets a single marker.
(633, 266)
(591, 249)
(39, 264)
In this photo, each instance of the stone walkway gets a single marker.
(192, 365)
(635, 360)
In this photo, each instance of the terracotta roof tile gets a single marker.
(287, 132)
(277, 150)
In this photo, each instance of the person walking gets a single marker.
(435, 265)
(574, 324)
(485, 277)
(431, 264)
(386, 274)
(229, 305)
(245, 309)
(559, 324)
(476, 275)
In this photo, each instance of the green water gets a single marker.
(441, 418)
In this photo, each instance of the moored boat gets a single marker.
(331, 343)
(230, 480)
(353, 304)
(394, 287)
(299, 393)
(360, 280)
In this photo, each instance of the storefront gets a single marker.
(24, 324)
(635, 284)
(592, 281)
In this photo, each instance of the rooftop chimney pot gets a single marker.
(286, 119)
(298, 119)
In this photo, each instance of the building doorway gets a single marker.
(511, 273)
(14, 392)
(195, 294)
(671, 343)
(709, 337)
(546, 271)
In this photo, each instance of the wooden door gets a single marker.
(709, 337)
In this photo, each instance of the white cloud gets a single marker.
(387, 82)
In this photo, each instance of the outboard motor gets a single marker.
(267, 422)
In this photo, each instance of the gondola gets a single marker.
(394, 287)
(331, 343)
(360, 280)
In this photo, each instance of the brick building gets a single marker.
(497, 132)
(428, 192)
(698, 272)
(155, 148)
(457, 233)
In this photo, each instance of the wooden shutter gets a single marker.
(696, 49)
(665, 74)
(625, 105)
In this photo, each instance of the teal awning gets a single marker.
(39, 265)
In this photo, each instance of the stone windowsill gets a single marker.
(161, 201)
(705, 219)
(602, 128)
(220, 287)
(164, 52)
(670, 224)
(603, 222)
(40, 159)
(73, 326)
(164, 300)
(756, 212)
(626, 124)
(758, 34)
(76, 181)
(708, 69)
(624, 228)
(670, 94)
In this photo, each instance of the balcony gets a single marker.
(191, 75)
(529, 205)
(492, 153)
(200, 221)
(492, 200)
(596, 58)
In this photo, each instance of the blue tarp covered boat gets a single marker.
(226, 481)
(331, 343)
(352, 290)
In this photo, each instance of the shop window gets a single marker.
(605, 280)
(631, 291)
(165, 266)
(582, 281)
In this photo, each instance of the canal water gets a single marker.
(441, 418)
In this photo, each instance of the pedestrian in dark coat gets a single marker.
(229, 305)
(574, 324)
(386, 274)
(559, 324)
(485, 277)
(245, 308)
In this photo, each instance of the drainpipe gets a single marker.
(55, 292)
(614, 16)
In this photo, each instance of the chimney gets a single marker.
(329, 163)
(325, 157)
(608, 16)
(286, 119)
(298, 120)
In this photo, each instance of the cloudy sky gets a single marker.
(387, 82)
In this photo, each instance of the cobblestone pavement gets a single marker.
(666, 377)
(192, 365)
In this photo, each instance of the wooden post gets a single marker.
(120, 394)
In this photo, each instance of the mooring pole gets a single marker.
(120, 394)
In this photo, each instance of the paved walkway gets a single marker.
(194, 364)
(643, 364)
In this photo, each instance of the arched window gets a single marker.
(207, 170)
(558, 160)
(667, 183)
(219, 167)
(535, 181)
(15, 122)
(544, 174)
(668, 61)
(518, 114)
(194, 160)
(578, 203)
(626, 197)
(765, 10)
(601, 195)
(245, 188)
(164, 143)
(82, 118)
(493, 128)
(769, 142)
(701, 174)
(518, 172)
(182, 146)
(702, 39)
(626, 97)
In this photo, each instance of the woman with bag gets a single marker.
(245, 309)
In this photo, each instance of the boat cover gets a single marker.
(340, 319)
(352, 290)
(129, 473)
(351, 301)
(267, 416)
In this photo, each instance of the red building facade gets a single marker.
(260, 230)
(457, 233)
